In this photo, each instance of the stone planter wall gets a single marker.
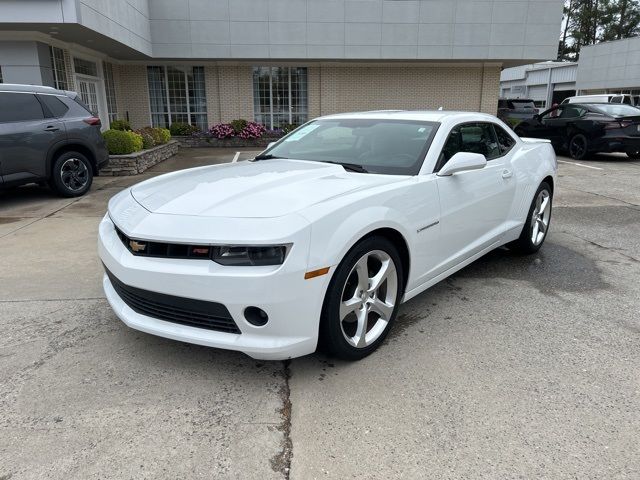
(235, 142)
(135, 163)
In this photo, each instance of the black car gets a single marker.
(583, 129)
(48, 136)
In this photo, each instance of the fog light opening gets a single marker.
(256, 316)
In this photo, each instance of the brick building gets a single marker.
(274, 61)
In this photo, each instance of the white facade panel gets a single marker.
(610, 65)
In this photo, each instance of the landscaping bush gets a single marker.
(183, 129)
(238, 125)
(121, 125)
(147, 138)
(252, 130)
(122, 143)
(164, 134)
(222, 130)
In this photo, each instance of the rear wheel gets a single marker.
(362, 300)
(578, 147)
(634, 154)
(72, 175)
(536, 228)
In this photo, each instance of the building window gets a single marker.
(110, 90)
(85, 67)
(177, 95)
(1, 80)
(280, 96)
(59, 69)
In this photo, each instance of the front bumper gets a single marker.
(292, 303)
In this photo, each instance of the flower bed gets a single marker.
(138, 162)
(201, 141)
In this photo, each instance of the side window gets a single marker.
(19, 107)
(54, 104)
(473, 138)
(505, 141)
(572, 112)
(616, 100)
(554, 113)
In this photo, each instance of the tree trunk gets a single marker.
(566, 31)
(623, 19)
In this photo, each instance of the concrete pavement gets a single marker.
(517, 367)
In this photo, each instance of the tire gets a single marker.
(72, 175)
(542, 220)
(342, 322)
(633, 154)
(578, 147)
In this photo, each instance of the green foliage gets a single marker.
(238, 125)
(165, 135)
(122, 143)
(287, 128)
(122, 125)
(513, 122)
(183, 129)
(147, 138)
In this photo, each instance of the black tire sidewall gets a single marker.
(331, 337)
(56, 179)
(524, 244)
(586, 146)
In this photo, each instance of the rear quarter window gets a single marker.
(56, 106)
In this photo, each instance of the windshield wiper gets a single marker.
(268, 156)
(352, 167)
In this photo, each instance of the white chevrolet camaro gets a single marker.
(318, 240)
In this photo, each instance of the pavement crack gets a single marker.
(595, 244)
(281, 462)
(627, 204)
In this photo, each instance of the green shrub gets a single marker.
(147, 138)
(165, 135)
(238, 125)
(122, 125)
(122, 143)
(287, 128)
(183, 129)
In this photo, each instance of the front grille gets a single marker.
(185, 311)
(143, 248)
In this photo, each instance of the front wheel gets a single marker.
(536, 227)
(578, 147)
(362, 300)
(634, 154)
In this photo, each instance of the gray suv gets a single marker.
(48, 135)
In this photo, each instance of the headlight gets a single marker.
(250, 256)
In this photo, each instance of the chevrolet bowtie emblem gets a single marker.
(137, 246)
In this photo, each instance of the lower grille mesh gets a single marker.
(185, 311)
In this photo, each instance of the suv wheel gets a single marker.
(72, 174)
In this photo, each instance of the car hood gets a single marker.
(263, 189)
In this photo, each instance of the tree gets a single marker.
(587, 22)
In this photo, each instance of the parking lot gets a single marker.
(516, 367)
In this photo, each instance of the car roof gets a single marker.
(14, 87)
(439, 116)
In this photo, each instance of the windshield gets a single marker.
(394, 147)
(617, 110)
(523, 104)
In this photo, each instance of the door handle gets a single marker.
(51, 128)
(507, 173)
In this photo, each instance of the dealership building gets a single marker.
(607, 67)
(156, 62)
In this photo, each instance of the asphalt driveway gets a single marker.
(517, 367)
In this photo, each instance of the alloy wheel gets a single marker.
(368, 298)
(578, 147)
(541, 217)
(74, 174)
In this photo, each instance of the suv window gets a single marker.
(505, 141)
(470, 137)
(19, 107)
(56, 106)
(571, 111)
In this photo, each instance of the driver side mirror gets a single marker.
(463, 162)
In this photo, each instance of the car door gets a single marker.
(474, 205)
(25, 136)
